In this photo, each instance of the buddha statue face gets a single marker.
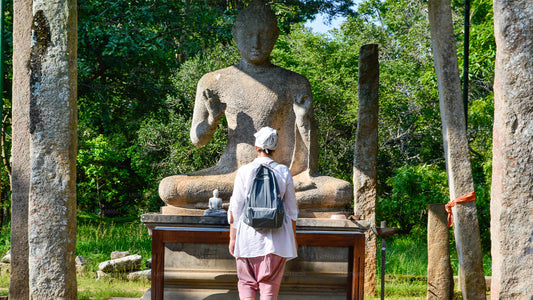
(255, 32)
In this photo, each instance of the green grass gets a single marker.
(405, 255)
(4, 283)
(402, 288)
(5, 237)
(97, 238)
(90, 288)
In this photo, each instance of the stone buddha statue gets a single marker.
(215, 206)
(252, 94)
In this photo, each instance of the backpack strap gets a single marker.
(272, 164)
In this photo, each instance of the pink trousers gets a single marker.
(263, 273)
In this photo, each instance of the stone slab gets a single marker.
(152, 220)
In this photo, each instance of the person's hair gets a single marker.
(267, 151)
(257, 11)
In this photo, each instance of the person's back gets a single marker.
(261, 254)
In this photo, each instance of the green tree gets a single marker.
(5, 115)
(127, 51)
(127, 54)
(164, 146)
(410, 129)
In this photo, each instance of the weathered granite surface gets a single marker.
(512, 168)
(457, 154)
(20, 149)
(366, 155)
(120, 265)
(119, 254)
(53, 148)
(440, 274)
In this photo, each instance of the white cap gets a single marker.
(266, 138)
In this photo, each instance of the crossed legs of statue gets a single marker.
(314, 194)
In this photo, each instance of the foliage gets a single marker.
(5, 114)
(126, 53)
(5, 238)
(131, 105)
(412, 189)
(410, 131)
(329, 65)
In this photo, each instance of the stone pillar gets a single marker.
(20, 149)
(366, 155)
(440, 273)
(53, 148)
(466, 228)
(511, 206)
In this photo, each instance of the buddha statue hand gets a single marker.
(303, 181)
(214, 107)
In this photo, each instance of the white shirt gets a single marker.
(253, 242)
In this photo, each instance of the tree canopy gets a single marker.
(139, 62)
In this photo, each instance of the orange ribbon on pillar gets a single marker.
(465, 198)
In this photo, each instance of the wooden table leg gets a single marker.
(158, 265)
(352, 288)
(359, 268)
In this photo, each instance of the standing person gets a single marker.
(261, 254)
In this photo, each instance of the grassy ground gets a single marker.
(97, 238)
(91, 289)
(406, 259)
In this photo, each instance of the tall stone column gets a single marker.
(20, 149)
(511, 206)
(366, 155)
(460, 182)
(440, 273)
(53, 146)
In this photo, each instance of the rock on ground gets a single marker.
(121, 265)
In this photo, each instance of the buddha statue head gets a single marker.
(256, 31)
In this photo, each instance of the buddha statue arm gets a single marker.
(208, 110)
(305, 154)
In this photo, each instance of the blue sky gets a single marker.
(318, 25)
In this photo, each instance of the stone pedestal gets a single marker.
(203, 271)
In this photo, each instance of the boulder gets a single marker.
(121, 265)
(139, 275)
(102, 275)
(7, 258)
(119, 254)
(81, 264)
